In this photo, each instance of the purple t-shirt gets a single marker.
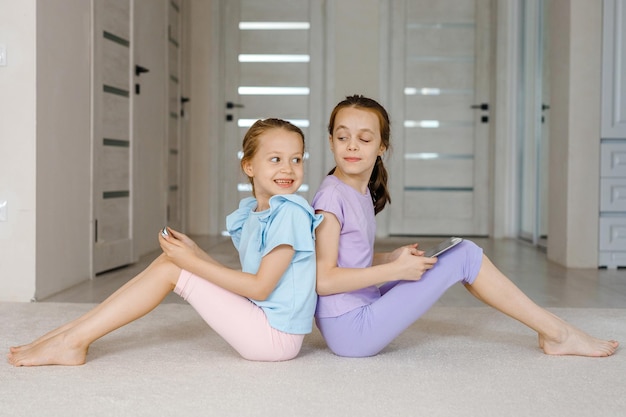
(355, 213)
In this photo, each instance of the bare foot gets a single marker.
(55, 350)
(576, 342)
(46, 336)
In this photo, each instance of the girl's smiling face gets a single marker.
(356, 143)
(277, 166)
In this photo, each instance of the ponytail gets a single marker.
(378, 186)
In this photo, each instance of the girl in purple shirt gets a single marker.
(367, 299)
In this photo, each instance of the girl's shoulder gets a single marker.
(332, 184)
(289, 202)
(333, 191)
(329, 184)
(281, 205)
(235, 220)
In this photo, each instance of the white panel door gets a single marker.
(112, 138)
(440, 117)
(273, 68)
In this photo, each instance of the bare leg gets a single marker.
(68, 344)
(91, 312)
(556, 337)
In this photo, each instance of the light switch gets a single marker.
(3, 56)
(3, 210)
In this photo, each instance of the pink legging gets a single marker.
(238, 320)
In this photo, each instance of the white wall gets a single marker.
(45, 141)
(17, 150)
(575, 62)
(63, 145)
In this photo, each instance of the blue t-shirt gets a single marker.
(290, 220)
(355, 213)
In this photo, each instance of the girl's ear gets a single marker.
(382, 150)
(247, 168)
(330, 142)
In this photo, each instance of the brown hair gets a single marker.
(251, 139)
(378, 180)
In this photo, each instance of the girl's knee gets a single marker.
(162, 261)
(163, 267)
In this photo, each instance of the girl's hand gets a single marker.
(186, 240)
(412, 248)
(178, 247)
(183, 238)
(411, 262)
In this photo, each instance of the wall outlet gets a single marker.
(4, 210)
(3, 56)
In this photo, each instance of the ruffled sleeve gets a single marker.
(236, 220)
(290, 221)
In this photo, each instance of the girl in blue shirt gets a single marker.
(262, 311)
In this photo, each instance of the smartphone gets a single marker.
(164, 232)
(442, 247)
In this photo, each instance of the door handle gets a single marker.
(140, 70)
(481, 106)
(231, 105)
(183, 100)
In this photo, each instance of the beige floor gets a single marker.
(549, 284)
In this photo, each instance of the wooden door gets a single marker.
(273, 68)
(112, 137)
(440, 114)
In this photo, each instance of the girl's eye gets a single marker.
(296, 160)
(275, 159)
(342, 138)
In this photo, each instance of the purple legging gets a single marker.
(366, 330)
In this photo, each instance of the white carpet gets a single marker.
(453, 362)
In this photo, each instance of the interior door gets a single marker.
(440, 117)
(112, 138)
(273, 68)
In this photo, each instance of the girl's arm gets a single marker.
(332, 279)
(255, 286)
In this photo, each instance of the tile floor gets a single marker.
(547, 283)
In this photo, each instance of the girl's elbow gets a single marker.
(260, 295)
(322, 288)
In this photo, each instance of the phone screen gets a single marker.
(442, 247)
